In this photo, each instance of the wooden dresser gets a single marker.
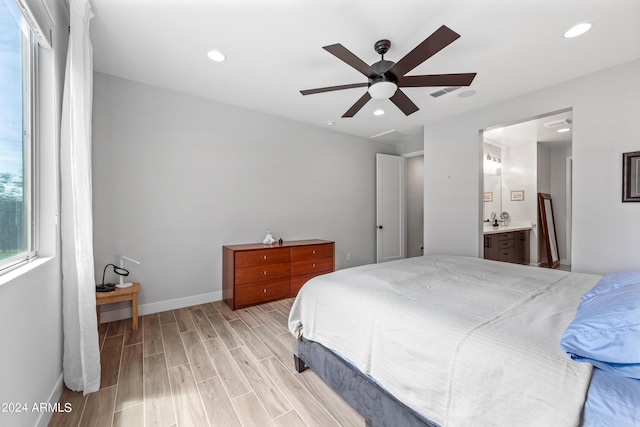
(257, 273)
(509, 246)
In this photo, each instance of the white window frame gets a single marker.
(29, 49)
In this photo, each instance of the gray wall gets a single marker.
(605, 106)
(415, 205)
(558, 193)
(177, 177)
(31, 296)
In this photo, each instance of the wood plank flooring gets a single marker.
(205, 366)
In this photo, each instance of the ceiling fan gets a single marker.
(386, 77)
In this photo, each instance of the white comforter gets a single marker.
(463, 341)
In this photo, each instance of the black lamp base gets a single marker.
(106, 287)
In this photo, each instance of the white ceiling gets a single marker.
(543, 130)
(274, 50)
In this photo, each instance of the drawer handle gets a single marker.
(264, 257)
(313, 252)
(264, 291)
(264, 273)
(314, 266)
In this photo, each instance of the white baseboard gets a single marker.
(54, 397)
(157, 307)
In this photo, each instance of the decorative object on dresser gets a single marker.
(257, 273)
(268, 239)
(509, 246)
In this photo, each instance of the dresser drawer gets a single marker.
(261, 273)
(261, 257)
(311, 252)
(311, 266)
(257, 293)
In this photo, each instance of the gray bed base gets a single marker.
(374, 403)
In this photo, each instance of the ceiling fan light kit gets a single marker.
(382, 90)
(385, 78)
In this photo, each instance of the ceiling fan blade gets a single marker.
(332, 88)
(462, 79)
(403, 102)
(349, 58)
(357, 106)
(433, 44)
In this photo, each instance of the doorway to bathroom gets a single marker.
(521, 160)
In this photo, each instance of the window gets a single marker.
(17, 52)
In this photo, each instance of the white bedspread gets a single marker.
(463, 341)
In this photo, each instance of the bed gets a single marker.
(449, 341)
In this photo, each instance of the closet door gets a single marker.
(390, 207)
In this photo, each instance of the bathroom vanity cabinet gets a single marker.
(507, 246)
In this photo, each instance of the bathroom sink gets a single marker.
(488, 228)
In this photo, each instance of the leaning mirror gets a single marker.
(548, 228)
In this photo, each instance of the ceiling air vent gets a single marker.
(390, 136)
(444, 91)
(557, 123)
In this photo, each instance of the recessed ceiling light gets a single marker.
(330, 123)
(564, 130)
(577, 30)
(216, 55)
(378, 112)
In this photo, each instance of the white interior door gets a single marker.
(390, 207)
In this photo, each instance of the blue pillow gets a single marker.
(606, 331)
(614, 281)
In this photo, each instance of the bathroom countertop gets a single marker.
(514, 226)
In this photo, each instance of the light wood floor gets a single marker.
(205, 366)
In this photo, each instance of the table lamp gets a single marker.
(122, 283)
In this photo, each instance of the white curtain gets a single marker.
(81, 360)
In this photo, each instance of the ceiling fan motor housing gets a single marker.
(383, 74)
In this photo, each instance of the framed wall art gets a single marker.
(517, 196)
(631, 176)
